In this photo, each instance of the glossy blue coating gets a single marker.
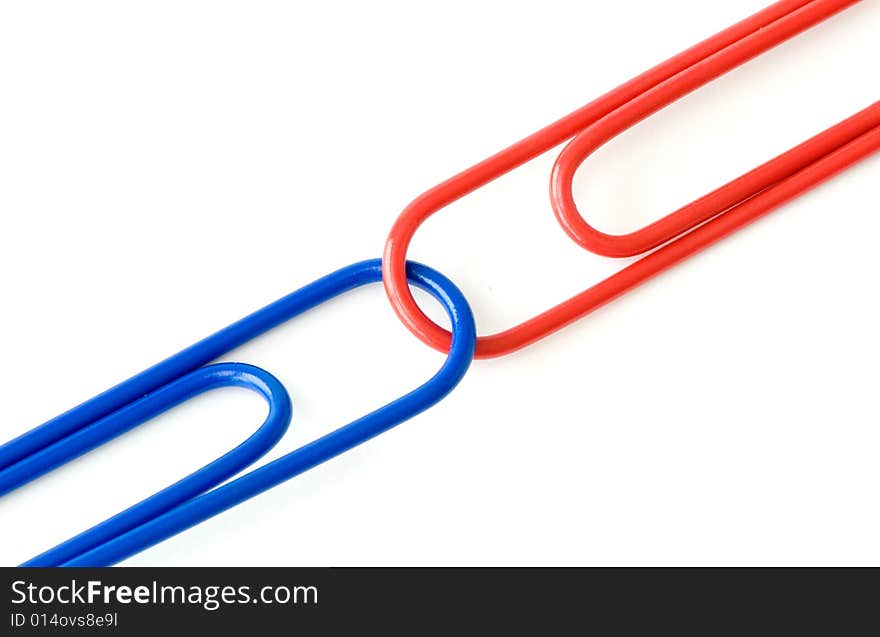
(115, 424)
(173, 380)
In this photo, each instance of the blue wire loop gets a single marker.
(186, 374)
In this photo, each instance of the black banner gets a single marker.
(130, 601)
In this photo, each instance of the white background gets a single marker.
(168, 167)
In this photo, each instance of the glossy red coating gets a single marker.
(721, 212)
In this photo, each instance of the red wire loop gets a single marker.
(682, 233)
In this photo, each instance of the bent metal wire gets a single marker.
(197, 497)
(680, 234)
(673, 238)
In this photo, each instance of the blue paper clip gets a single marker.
(197, 497)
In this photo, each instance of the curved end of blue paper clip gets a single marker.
(197, 497)
(198, 382)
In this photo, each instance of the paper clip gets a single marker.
(680, 234)
(673, 238)
(197, 497)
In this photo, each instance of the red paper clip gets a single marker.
(721, 212)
